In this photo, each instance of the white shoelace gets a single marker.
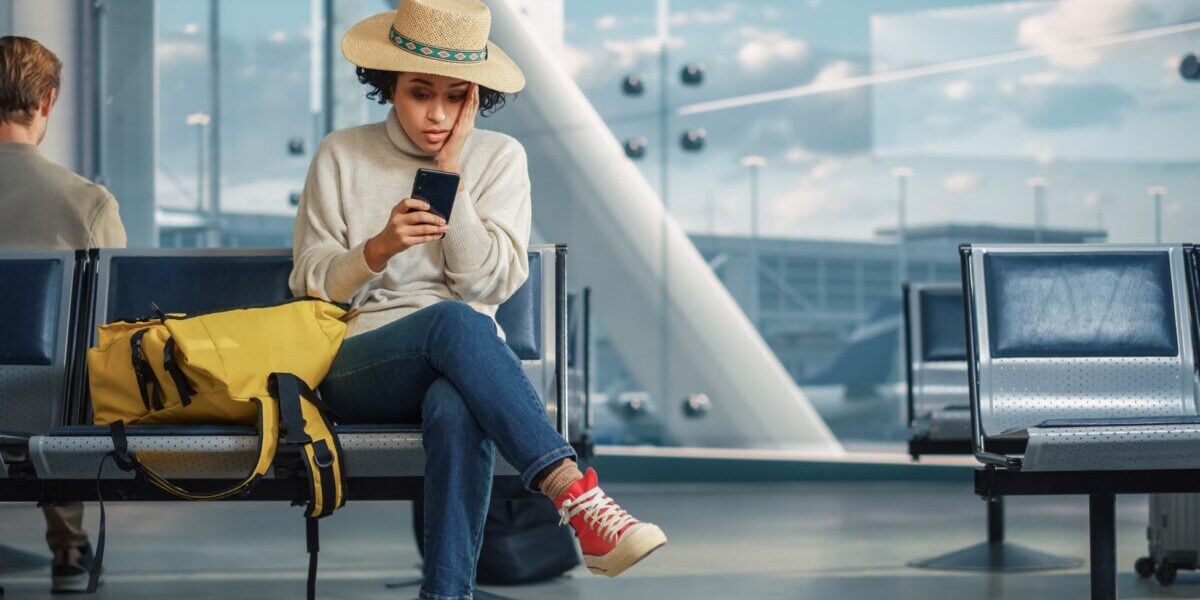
(599, 512)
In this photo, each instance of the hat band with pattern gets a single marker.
(446, 54)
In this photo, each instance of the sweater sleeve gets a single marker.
(107, 231)
(486, 246)
(324, 264)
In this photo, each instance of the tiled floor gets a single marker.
(821, 541)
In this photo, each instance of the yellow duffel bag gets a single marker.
(177, 369)
(254, 366)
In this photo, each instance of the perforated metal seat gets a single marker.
(36, 339)
(1089, 352)
(199, 280)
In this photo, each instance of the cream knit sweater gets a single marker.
(355, 179)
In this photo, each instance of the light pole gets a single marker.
(902, 174)
(754, 162)
(1157, 192)
(200, 121)
(1038, 183)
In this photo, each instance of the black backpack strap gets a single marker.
(126, 462)
(310, 432)
(286, 389)
(145, 375)
(182, 385)
(312, 535)
(307, 430)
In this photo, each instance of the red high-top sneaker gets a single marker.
(611, 539)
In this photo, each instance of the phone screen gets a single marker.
(438, 188)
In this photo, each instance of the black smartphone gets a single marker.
(438, 188)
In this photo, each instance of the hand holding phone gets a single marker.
(438, 188)
(411, 223)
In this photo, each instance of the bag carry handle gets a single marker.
(268, 436)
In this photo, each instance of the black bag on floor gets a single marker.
(522, 542)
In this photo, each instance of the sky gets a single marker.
(1099, 124)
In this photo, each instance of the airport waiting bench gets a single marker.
(939, 419)
(54, 300)
(1084, 356)
(939, 412)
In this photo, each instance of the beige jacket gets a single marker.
(46, 206)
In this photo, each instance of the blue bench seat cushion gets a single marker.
(29, 318)
(943, 326)
(194, 284)
(520, 317)
(1111, 304)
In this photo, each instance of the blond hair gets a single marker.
(28, 71)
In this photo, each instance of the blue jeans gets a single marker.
(445, 367)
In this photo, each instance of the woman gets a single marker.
(422, 341)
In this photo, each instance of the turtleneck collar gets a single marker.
(401, 140)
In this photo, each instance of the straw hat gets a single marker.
(438, 37)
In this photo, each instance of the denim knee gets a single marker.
(453, 317)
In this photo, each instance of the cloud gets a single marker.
(835, 71)
(576, 60)
(1041, 78)
(1043, 154)
(799, 154)
(765, 47)
(790, 210)
(626, 53)
(725, 14)
(1074, 105)
(962, 181)
(824, 169)
(1072, 20)
(606, 22)
(957, 90)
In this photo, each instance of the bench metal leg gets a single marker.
(995, 554)
(995, 521)
(1102, 517)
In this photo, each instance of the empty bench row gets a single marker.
(1070, 370)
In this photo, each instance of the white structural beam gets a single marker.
(588, 195)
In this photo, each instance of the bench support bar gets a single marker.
(1102, 517)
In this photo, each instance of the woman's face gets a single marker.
(427, 107)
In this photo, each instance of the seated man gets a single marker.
(45, 206)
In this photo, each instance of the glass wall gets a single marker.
(783, 137)
(819, 115)
(239, 114)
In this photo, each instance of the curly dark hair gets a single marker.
(383, 85)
